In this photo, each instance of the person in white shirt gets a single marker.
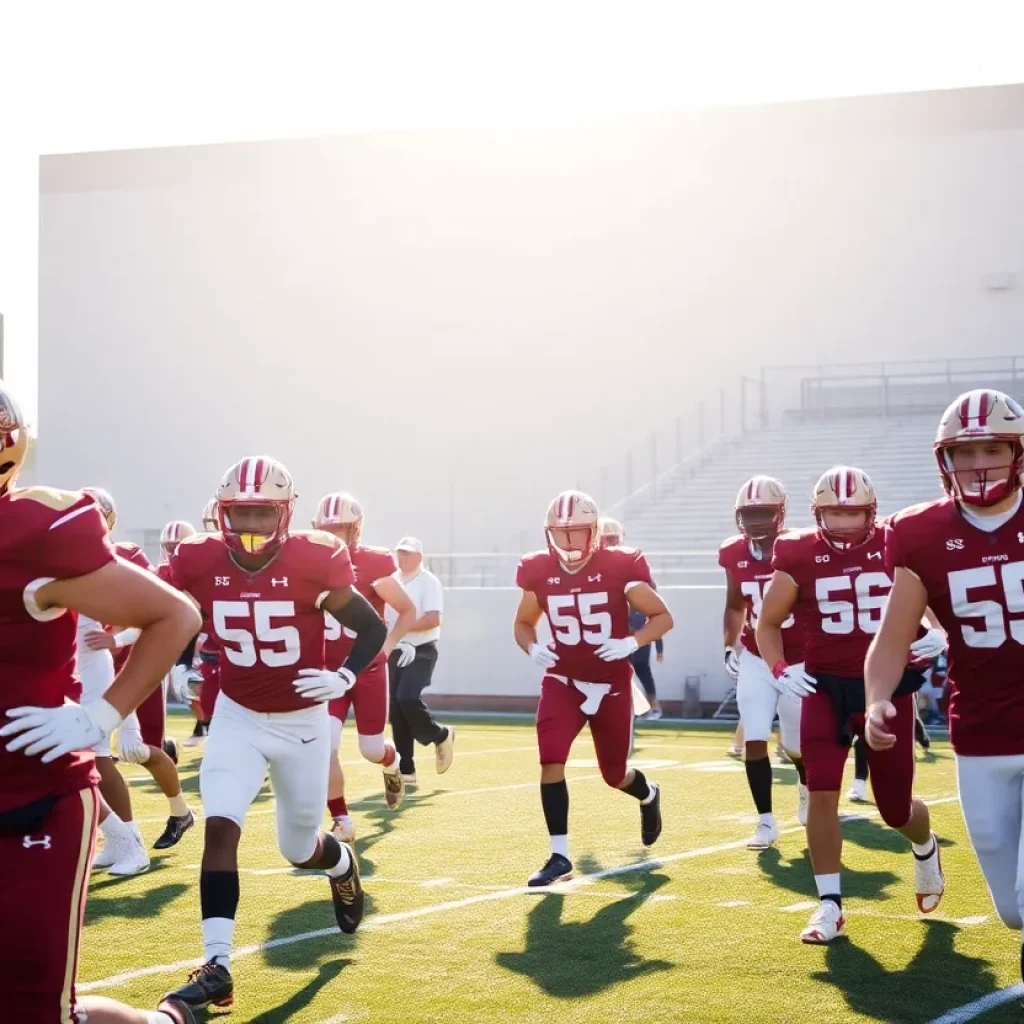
(411, 666)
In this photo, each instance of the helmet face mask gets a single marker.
(572, 529)
(255, 502)
(845, 507)
(979, 447)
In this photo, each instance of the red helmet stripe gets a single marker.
(985, 402)
(965, 412)
(752, 489)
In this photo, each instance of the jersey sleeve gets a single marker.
(723, 555)
(786, 556)
(895, 548)
(524, 576)
(638, 570)
(384, 565)
(76, 542)
(337, 567)
(177, 570)
(134, 554)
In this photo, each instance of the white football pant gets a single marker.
(295, 745)
(758, 700)
(96, 670)
(992, 799)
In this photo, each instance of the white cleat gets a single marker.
(858, 793)
(929, 881)
(734, 751)
(109, 855)
(654, 715)
(344, 831)
(409, 780)
(801, 803)
(763, 837)
(445, 751)
(133, 861)
(827, 924)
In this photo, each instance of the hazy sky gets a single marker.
(121, 74)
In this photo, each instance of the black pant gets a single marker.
(410, 717)
(641, 659)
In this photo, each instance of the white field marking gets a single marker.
(971, 1010)
(433, 883)
(795, 908)
(384, 920)
(734, 903)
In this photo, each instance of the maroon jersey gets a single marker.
(268, 624)
(370, 565)
(752, 575)
(130, 553)
(841, 597)
(586, 608)
(975, 584)
(45, 534)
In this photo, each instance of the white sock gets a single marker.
(925, 849)
(343, 819)
(766, 819)
(828, 885)
(652, 792)
(343, 865)
(114, 829)
(178, 806)
(560, 845)
(218, 933)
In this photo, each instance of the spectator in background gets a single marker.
(411, 666)
(641, 659)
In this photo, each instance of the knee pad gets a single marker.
(372, 747)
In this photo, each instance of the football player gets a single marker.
(586, 592)
(612, 532)
(341, 515)
(210, 522)
(263, 591)
(760, 512)
(100, 652)
(833, 576)
(963, 556)
(56, 557)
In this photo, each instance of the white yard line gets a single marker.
(971, 1010)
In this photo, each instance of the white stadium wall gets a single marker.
(493, 316)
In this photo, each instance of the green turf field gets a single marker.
(710, 933)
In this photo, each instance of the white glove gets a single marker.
(543, 656)
(321, 685)
(184, 681)
(54, 732)
(930, 646)
(616, 650)
(406, 653)
(130, 747)
(796, 682)
(732, 663)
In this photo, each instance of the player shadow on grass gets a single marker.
(572, 959)
(873, 835)
(937, 979)
(797, 876)
(149, 903)
(298, 1001)
(384, 822)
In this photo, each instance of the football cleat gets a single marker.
(197, 737)
(765, 835)
(557, 869)
(133, 860)
(734, 751)
(171, 749)
(929, 882)
(111, 852)
(208, 984)
(826, 924)
(409, 779)
(348, 896)
(445, 751)
(650, 818)
(802, 797)
(394, 787)
(858, 793)
(179, 1012)
(653, 715)
(344, 831)
(175, 829)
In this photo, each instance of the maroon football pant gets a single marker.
(369, 697)
(46, 875)
(559, 721)
(210, 671)
(151, 714)
(892, 770)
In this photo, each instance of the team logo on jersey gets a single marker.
(594, 579)
(821, 558)
(874, 554)
(222, 581)
(28, 842)
(742, 565)
(553, 581)
(956, 544)
(283, 581)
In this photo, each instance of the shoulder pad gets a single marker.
(197, 539)
(328, 540)
(50, 497)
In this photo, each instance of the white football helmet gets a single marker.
(13, 439)
(257, 480)
(211, 520)
(978, 417)
(106, 503)
(172, 535)
(761, 508)
(850, 490)
(613, 533)
(571, 528)
(339, 513)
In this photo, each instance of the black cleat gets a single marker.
(208, 984)
(348, 896)
(557, 869)
(179, 1012)
(650, 818)
(176, 828)
(171, 749)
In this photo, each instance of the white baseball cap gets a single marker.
(410, 544)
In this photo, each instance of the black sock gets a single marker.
(860, 759)
(442, 735)
(327, 853)
(639, 787)
(801, 771)
(930, 853)
(554, 798)
(218, 893)
(759, 778)
(919, 734)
